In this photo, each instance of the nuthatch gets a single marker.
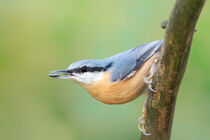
(117, 79)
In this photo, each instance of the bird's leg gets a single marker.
(141, 120)
(148, 80)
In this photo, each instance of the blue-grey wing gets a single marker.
(128, 62)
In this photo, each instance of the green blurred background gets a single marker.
(37, 36)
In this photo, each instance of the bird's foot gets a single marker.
(141, 124)
(148, 79)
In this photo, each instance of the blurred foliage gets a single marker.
(37, 36)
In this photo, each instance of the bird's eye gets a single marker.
(84, 69)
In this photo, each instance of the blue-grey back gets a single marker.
(131, 60)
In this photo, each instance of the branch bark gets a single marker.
(171, 67)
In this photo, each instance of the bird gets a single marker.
(117, 79)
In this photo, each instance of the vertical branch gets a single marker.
(171, 67)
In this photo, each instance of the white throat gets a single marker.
(89, 77)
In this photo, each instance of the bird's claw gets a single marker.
(141, 124)
(150, 87)
(148, 79)
(149, 83)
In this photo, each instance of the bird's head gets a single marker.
(84, 71)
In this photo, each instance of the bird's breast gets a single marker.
(119, 92)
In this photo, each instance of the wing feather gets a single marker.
(132, 60)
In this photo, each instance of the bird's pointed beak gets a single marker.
(61, 74)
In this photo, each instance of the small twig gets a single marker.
(164, 24)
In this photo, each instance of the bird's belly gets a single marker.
(120, 92)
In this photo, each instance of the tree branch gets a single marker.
(171, 67)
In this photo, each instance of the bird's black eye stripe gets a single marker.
(108, 66)
(96, 69)
(86, 69)
(90, 69)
